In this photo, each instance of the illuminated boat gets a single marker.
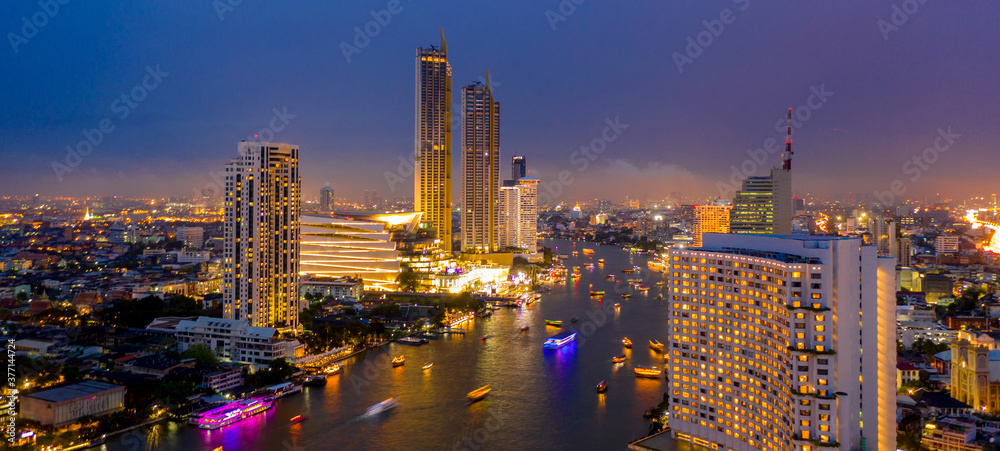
(413, 341)
(626, 295)
(659, 284)
(559, 340)
(617, 305)
(597, 292)
(610, 277)
(283, 389)
(588, 251)
(398, 361)
(382, 406)
(600, 260)
(589, 266)
(524, 328)
(553, 322)
(627, 343)
(234, 412)
(479, 393)
(647, 371)
(642, 287)
(333, 369)
(655, 345)
(575, 253)
(297, 419)
(618, 359)
(315, 380)
(628, 271)
(428, 365)
(602, 387)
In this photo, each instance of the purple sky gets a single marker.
(606, 60)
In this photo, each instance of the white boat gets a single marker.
(234, 412)
(382, 406)
(284, 389)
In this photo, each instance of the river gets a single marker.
(540, 400)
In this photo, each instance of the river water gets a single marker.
(540, 399)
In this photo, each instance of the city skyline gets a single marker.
(689, 143)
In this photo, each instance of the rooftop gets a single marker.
(73, 391)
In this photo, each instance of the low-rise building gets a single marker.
(905, 372)
(223, 379)
(950, 434)
(65, 405)
(237, 341)
(156, 365)
(338, 288)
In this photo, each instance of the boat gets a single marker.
(298, 419)
(589, 265)
(656, 346)
(626, 295)
(617, 305)
(600, 260)
(283, 389)
(553, 322)
(659, 284)
(485, 337)
(333, 369)
(524, 328)
(597, 292)
(647, 371)
(412, 341)
(642, 287)
(382, 406)
(659, 296)
(618, 359)
(602, 387)
(479, 393)
(610, 277)
(315, 380)
(575, 253)
(431, 335)
(627, 343)
(428, 365)
(628, 271)
(398, 361)
(588, 251)
(559, 340)
(97, 441)
(573, 319)
(234, 412)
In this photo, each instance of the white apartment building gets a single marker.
(237, 341)
(518, 218)
(782, 343)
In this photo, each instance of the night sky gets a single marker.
(558, 88)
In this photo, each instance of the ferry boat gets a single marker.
(479, 393)
(315, 380)
(600, 260)
(618, 359)
(655, 345)
(234, 412)
(398, 361)
(647, 371)
(597, 292)
(628, 271)
(432, 335)
(334, 368)
(297, 419)
(626, 295)
(196, 416)
(559, 340)
(412, 341)
(587, 251)
(627, 343)
(602, 387)
(553, 322)
(382, 406)
(283, 389)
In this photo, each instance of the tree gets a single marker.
(203, 357)
(22, 296)
(408, 281)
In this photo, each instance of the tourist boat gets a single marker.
(588, 251)
(559, 340)
(333, 369)
(626, 295)
(553, 322)
(234, 412)
(428, 365)
(479, 393)
(412, 341)
(432, 335)
(597, 292)
(627, 343)
(628, 271)
(315, 380)
(602, 387)
(398, 361)
(382, 406)
(524, 328)
(618, 359)
(298, 419)
(617, 305)
(600, 260)
(283, 389)
(647, 371)
(656, 346)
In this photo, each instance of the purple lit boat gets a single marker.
(234, 412)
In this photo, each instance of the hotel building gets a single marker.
(480, 167)
(261, 242)
(432, 152)
(710, 219)
(782, 343)
(764, 205)
(518, 218)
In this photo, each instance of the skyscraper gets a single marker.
(261, 242)
(883, 231)
(771, 338)
(480, 167)
(518, 216)
(518, 167)
(432, 141)
(710, 219)
(764, 204)
(326, 202)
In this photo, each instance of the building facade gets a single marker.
(65, 405)
(326, 198)
(766, 340)
(335, 246)
(764, 205)
(191, 236)
(518, 167)
(236, 341)
(518, 217)
(261, 242)
(710, 219)
(480, 168)
(432, 152)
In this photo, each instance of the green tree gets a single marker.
(203, 357)
(408, 281)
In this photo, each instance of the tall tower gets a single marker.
(261, 244)
(326, 198)
(480, 167)
(518, 167)
(710, 219)
(764, 204)
(432, 140)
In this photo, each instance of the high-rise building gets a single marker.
(261, 242)
(191, 236)
(782, 343)
(372, 200)
(480, 167)
(904, 252)
(883, 232)
(518, 167)
(710, 219)
(518, 217)
(326, 202)
(120, 233)
(764, 204)
(946, 244)
(432, 152)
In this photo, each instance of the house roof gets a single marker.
(903, 365)
(938, 399)
(73, 391)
